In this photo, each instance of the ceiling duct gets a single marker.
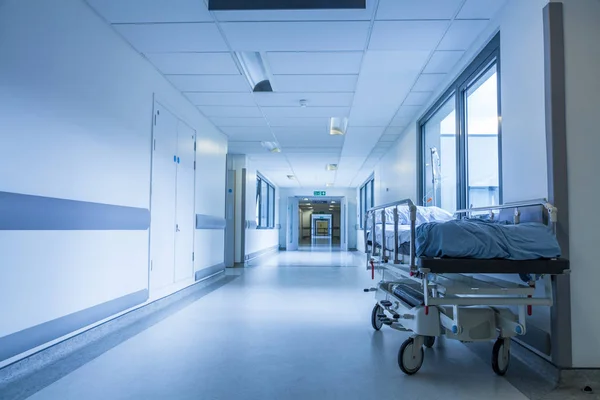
(233, 5)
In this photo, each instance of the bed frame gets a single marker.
(454, 297)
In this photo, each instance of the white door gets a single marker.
(292, 225)
(163, 201)
(185, 217)
(344, 224)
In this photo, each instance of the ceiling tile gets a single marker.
(234, 112)
(307, 112)
(296, 36)
(394, 130)
(320, 130)
(245, 147)
(299, 15)
(312, 99)
(407, 35)
(247, 130)
(311, 63)
(243, 122)
(247, 134)
(210, 83)
(388, 138)
(159, 38)
(140, 11)
(416, 98)
(442, 62)
(462, 34)
(315, 83)
(194, 63)
(480, 9)
(360, 141)
(244, 99)
(429, 82)
(299, 122)
(422, 9)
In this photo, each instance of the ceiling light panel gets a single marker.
(443, 61)
(296, 36)
(144, 11)
(194, 63)
(311, 63)
(223, 111)
(421, 10)
(312, 99)
(162, 38)
(243, 122)
(244, 99)
(255, 71)
(480, 9)
(407, 35)
(209, 83)
(315, 83)
(462, 34)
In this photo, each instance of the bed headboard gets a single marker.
(537, 213)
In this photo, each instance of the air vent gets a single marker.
(232, 5)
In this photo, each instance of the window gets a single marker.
(367, 200)
(460, 139)
(265, 203)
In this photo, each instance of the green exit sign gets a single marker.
(320, 193)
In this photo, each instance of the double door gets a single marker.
(172, 200)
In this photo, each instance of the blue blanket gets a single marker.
(482, 239)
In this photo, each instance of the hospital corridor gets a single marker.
(299, 200)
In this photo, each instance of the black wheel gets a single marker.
(500, 358)
(408, 364)
(429, 341)
(375, 322)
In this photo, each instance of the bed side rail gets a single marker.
(371, 216)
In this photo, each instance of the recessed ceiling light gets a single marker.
(329, 185)
(332, 167)
(271, 146)
(332, 202)
(305, 199)
(338, 126)
(255, 71)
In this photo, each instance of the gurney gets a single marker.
(432, 296)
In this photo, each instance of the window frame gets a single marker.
(486, 59)
(271, 203)
(362, 193)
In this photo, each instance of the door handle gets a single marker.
(177, 228)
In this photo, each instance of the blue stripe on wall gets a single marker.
(20, 212)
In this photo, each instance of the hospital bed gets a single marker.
(454, 275)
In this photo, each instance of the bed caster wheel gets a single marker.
(376, 322)
(410, 359)
(429, 341)
(501, 356)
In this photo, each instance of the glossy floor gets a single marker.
(296, 327)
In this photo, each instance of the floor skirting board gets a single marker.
(104, 336)
(209, 271)
(261, 253)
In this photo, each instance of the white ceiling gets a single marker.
(377, 67)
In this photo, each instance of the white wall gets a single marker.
(76, 123)
(582, 58)
(348, 193)
(259, 239)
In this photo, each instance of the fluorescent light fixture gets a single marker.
(271, 146)
(332, 167)
(332, 202)
(338, 126)
(329, 185)
(291, 177)
(255, 71)
(305, 199)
